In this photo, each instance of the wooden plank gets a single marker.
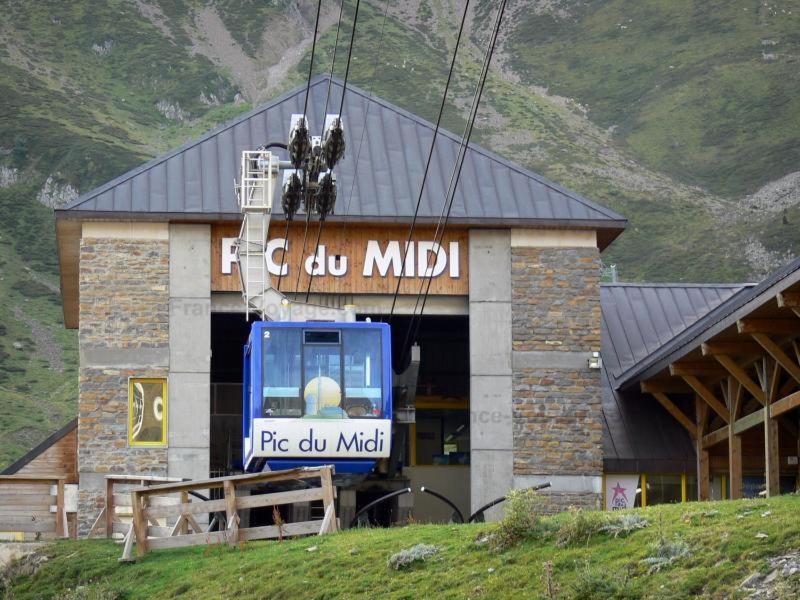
(29, 500)
(127, 555)
(230, 512)
(193, 522)
(286, 530)
(192, 508)
(28, 524)
(329, 493)
(33, 479)
(742, 377)
(779, 326)
(774, 350)
(783, 405)
(696, 367)
(278, 498)
(124, 500)
(730, 348)
(665, 386)
(21, 511)
(676, 413)
(239, 480)
(748, 422)
(329, 517)
(158, 531)
(111, 503)
(708, 396)
(101, 518)
(192, 539)
(772, 467)
(703, 465)
(183, 520)
(716, 437)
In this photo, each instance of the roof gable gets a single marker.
(197, 178)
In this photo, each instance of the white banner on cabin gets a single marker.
(322, 438)
(620, 491)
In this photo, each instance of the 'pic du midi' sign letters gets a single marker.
(334, 438)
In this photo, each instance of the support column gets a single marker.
(190, 350)
(735, 464)
(703, 470)
(491, 437)
(772, 464)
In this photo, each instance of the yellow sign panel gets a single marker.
(147, 411)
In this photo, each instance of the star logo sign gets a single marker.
(619, 499)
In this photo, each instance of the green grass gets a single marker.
(723, 546)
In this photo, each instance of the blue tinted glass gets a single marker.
(363, 372)
(281, 378)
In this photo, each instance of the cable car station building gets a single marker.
(511, 391)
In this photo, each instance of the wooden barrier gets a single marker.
(116, 516)
(33, 504)
(153, 502)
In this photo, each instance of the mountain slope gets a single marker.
(682, 116)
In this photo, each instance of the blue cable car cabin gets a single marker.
(317, 393)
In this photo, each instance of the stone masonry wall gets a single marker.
(124, 331)
(557, 409)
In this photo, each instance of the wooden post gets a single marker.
(703, 470)
(735, 464)
(230, 512)
(328, 495)
(184, 527)
(61, 521)
(139, 523)
(772, 464)
(110, 511)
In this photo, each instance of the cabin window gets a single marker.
(282, 376)
(362, 373)
(147, 411)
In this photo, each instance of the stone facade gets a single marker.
(124, 331)
(556, 398)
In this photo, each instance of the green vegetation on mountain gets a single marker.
(708, 550)
(669, 113)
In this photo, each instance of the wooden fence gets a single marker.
(153, 503)
(33, 505)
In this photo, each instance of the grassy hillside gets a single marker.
(721, 545)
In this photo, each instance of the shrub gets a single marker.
(593, 583)
(579, 527)
(623, 525)
(521, 520)
(666, 552)
(407, 557)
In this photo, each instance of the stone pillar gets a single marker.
(491, 439)
(557, 414)
(189, 350)
(123, 332)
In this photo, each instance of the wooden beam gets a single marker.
(696, 367)
(779, 326)
(703, 465)
(748, 422)
(741, 376)
(715, 437)
(730, 348)
(783, 405)
(776, 352)
(772, 468)
(735, 464)
(789, 299)
(676, 413)
(665, 386)
(708, 396)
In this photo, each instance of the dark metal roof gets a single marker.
(737, 306)
(640, 319)
(36, 451)
(196, 180)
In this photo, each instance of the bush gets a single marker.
(666, 552)
(579, 527)
(522, 519)
(592, 583)
(623, 525)
(407, 557)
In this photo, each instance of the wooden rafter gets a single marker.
(677, 413)
(731, 348)
(776, 352)
(696, 367)
(783, 405)
(789, 299)
(736, 370)
(715, 437)
(707, 395)
(779, 326)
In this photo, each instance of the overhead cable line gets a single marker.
(327, 97)
(428, 163)
(305, 109)
(454, 180)
(341, 108)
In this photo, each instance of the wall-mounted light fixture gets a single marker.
(595, 362)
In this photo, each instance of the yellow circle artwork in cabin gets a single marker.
(322, 397)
